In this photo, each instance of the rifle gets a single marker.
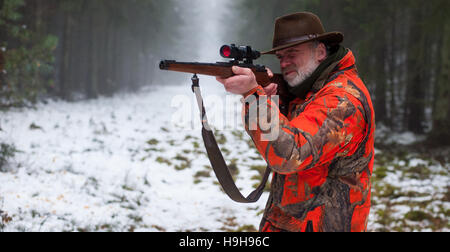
(241, 56)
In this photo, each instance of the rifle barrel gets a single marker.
(219, 69)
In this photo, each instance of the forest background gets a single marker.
(79, 51)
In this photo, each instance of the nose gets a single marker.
(284, 63)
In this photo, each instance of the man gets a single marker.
(323, 157)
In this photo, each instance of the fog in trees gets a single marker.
(83, 49)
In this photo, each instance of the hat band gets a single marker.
(297, 39)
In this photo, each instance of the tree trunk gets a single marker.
(92, 82)
(440, 135)
(65, 68)
(415, 105)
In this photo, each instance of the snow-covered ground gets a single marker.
(136, 162)
(130, 162)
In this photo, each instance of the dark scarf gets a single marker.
(320, 74)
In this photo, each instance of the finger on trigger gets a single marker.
(269, 72)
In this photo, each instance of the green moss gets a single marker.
(153, 141)
(164, 129)
(246, 228)
(380, 172)
(221, 139)
(259, 168)
(196, 145)
(204, 174)
(232, 166)
(387, 191)
(225, 151)
(163, 160)
(185, 162)
(182, 166)
(238, 134)
(418, 172)
(418, 215)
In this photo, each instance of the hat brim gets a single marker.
(329, 38)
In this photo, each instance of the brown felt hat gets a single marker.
(299, 28)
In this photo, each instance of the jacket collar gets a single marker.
(318, 78)
(346, 63)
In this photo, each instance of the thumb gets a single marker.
(241, 70)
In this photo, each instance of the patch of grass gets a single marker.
(128, 188)
(5, 219)
(154, 150)
(246, 228)
(135, 218)
(181, 158)
(185, 162)
(7, 152)
(418, 172)
(188, 137)
(380, 172)
(238, 134)
(225, 151)
(420, 209)
(266, 187)
(229, 224)
(164, 129)
(33, 126)
(418, 215)
(387, 191)
(196, 145)
(220, 138)
(384, 217)
(161, 229)
(163, 160)
(202, 174)
(182, 166)
(232, 166)
(153, 141)
(259, 168)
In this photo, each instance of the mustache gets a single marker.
(289, 69)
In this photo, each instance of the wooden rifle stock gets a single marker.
(220, 69)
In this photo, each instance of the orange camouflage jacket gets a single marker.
(323, 157)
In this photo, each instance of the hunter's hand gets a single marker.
(272, 88)
(243, 81)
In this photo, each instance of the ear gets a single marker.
(321, 52)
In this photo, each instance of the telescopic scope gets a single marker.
(239, 53)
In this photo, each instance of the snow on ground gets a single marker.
(136, 162)
(121, 164)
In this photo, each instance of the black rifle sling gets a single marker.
(216, 158)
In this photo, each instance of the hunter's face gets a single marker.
(298, 63)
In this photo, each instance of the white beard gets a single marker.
(303, 74)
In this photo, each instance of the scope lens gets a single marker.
(226, 51)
